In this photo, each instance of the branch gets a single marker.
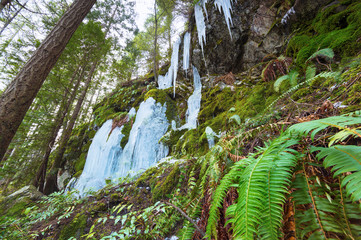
(187, 217)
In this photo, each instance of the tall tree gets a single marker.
(18, 96)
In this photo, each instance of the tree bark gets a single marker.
(18, 96)
(51, 180)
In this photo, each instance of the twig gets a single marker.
(187, 217)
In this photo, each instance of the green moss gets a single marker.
(78, 173)
(79, 165)
(167, 185)
(126, 132)
(75, 228)
(331, 29)
(149, 177)
(18, 208)
(171, 138)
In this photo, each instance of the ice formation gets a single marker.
(170, 78)
(201, 26)
(288, 15)
(102, 158)
(186, 48)
(226, 6)
(210, 136)
(107, 160)
(194, 102)
(143, 148)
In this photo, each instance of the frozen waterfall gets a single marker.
(226, 6)
(186, 48)
(194, 102)
(143, 149)
(107, 160)
(102, 158)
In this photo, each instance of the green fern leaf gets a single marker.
(310, 72)
(326, 53)
(270, 169)
(316, 126)
(293, 78)
(344, 159)
(279, 81)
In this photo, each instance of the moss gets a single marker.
(148, 178)
(167, 185)
(18, 208)
(331, 29)
(301, 93)
(126, 132)
(79, 165)
(171, 138)
(78, 173)
(75, 228)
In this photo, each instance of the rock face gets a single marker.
(256, 33)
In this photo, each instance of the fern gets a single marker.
(340, 122)
(321, 212)
(292, 77)
(343, 159)
(326, 53)
(334, 75)
(262, 181)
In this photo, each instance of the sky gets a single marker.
(143, 8)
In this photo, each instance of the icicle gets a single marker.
(170, 78)
(288, 15)
(226, 5)
(194, 102)
(201, 26)
(186, 48)
(174, 62)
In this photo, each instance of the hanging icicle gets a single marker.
(226, 6)
(186, 48)
(201, 26)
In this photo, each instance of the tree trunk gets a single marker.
(59, 119)
(155, 42)
(51, 180)
(18, 96)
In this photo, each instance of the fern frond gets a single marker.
(310, 72)
(220, 194)
(333, 75)
(316, 126)
(344, 159)
(271, 169)
(326, 53)
(293, 78)
(279, 81)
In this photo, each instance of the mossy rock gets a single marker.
(331, 29)
(75, 228)
(167, 185)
